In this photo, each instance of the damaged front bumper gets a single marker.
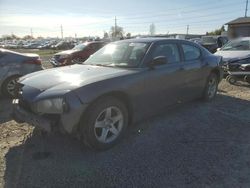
(21, 115)
(65, 123)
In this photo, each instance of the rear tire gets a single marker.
(231, 79)
(247, 79)
(9, 86)
(104, 124)
(211, 87)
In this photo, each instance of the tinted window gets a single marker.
(170, 51)
(191, 52)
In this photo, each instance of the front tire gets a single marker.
(104, 124)
(211, 87)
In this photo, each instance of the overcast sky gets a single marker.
(92, 17)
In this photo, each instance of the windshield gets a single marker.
(122, 54)
(208, 40)
(237, 45)
(80, 47)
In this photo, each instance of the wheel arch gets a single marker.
(7, 78)
(121, 96)
(217, 72)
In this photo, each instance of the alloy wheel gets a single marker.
(11, 87)
(108, 125)
(212, 87)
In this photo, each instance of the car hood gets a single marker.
(231, 55)
(66, 52)
(70, 77)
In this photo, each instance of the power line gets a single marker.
(31, 32)
(187, 29)
(162, 20)
(102, 11)
(176, 20)
(62, 31)
(185, 12)
(246, 8)
(115, 26)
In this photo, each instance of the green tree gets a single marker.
(28, 37)
(10, 37)
(105, 35)
(128, 35)
(217, 31)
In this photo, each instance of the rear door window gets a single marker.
(191, 52)
(170, 51)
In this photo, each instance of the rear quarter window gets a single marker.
(191, 52)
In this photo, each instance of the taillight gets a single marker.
(34, 62)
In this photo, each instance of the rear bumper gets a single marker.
(20, 115)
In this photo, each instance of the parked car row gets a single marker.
(50, 43)
(40, 44)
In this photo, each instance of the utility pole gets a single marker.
(246, 8)
(187, 29)
(31, 32)
(62, 31)
(115, 26)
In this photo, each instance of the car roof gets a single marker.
(151, 40)
(5, 50)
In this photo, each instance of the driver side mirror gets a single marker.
(160, 60)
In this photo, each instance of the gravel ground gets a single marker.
(195, 145)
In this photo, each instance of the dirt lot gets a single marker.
(195, 145)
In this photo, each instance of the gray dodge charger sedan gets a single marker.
(118, 85)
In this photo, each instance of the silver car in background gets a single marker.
(235, 49)
(14, 65)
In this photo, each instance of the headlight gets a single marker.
(50, 106)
